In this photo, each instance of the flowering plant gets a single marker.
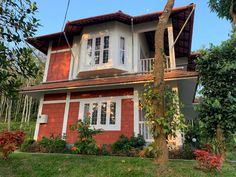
(208, 161)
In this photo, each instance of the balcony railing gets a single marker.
(146, 65)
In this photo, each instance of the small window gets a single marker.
(122, 50)
(103, 113)
(113, 113)
(94, 114)
(86, 109)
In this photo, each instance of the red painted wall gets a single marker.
(55, 114)
(72, 119)
(59, 66)
(103, 93)
(54, 96)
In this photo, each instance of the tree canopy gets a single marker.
(217, 71)
(224, 9)
(17, 22)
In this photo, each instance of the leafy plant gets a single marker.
(53, 144)
(208, 161)
(86, 144)
(9, 141)
(127, 146)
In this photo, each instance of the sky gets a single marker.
(208, 28)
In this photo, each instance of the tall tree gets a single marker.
(17, 22)
(217, 110)
(224, 9)
(159, 85)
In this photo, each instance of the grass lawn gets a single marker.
(62, 165)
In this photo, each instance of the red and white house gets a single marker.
(100, 65)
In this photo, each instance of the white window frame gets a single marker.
(101, 50)
(100, 100)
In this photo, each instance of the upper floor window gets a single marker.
(122, 50)
(98, 50)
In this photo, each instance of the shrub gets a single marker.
(9, 141)
(86, 144)
(30, 145)
(126, 146)
(208, 161)
(122, 145)
(137, 142)
(105, 149)
(186, 152)
(26, 144)
(54, 144)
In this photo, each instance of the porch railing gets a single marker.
(146, 65)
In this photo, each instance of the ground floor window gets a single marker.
(105, 113)
(144, 129)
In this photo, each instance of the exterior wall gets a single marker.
(54, 105)
(55, 114)
(59, 66)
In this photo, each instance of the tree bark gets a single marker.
(232, 13)
(220, 142)
(159, 85)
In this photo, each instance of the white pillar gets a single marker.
(171, 43)
(36, 132)
(66, 114)
(136, 111)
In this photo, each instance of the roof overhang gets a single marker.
(179, 16)
(127, 79)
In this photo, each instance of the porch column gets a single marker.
(65, 119)
(136, 112)
(171, 43)
(178, 139)
(36, 132)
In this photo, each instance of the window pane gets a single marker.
(97, 57)
(103, 113)
(89, 47)
(105, 56)
(113, 113)
(122, 57)
(86, 109)
(106, 42)
(94, 114)
(122, 43)
(98, 43)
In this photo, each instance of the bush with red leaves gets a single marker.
(9, 141)
(208, 161)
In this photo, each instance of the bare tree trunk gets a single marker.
(2, 106)
(9, 116)
(159, 85)
(220, 142)
(29, 112)
(232, 13)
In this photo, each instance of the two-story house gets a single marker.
(100, 65)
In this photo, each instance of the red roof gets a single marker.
(179, 15)
(107, 81)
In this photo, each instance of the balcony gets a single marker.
(145, 66)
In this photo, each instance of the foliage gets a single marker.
(122, 145)
(86, 144)
(222, 8)
(53, 144)
(173, 120)
(208, 161)
(126, 146)
(9, 141)
(30, 145)
(186, 152)
(17, 22)
(193, 134)
(28, 129)
(217, 70)
(231, 143)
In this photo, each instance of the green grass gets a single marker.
(62, 165)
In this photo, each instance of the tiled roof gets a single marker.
(107, 81)
(179, 15)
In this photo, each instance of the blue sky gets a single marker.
(208, 28)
